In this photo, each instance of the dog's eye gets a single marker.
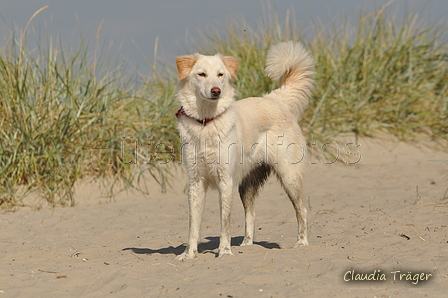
(202, 74)
(220, 74)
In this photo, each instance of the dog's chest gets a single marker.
(207, 149)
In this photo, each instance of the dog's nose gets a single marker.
(216, 91)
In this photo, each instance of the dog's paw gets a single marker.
(301, 242)
(185, 256)
(246, 242)
(225, 251)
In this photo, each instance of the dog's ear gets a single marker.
(231, 65)
(185, 64)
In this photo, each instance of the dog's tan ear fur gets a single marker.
(231, 65)
(185, 64)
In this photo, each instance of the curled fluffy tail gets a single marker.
(290, 63)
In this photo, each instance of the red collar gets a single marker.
(181, 111)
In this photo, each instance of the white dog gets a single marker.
(227, 144)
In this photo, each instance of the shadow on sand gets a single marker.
(204, 247)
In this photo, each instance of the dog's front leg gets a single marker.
(196, 198)
(225, 193)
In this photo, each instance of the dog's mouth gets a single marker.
(211, 99)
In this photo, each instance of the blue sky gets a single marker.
(132, 26)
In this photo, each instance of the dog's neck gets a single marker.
(201, 109)
(204, 121)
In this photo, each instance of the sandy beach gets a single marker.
(383, 218)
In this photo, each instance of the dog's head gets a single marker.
(208, 76)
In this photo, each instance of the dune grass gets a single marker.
(372, 76)
(68, 114)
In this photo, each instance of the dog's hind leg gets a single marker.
(292, 183)
(248, 190)
(196, 198)
(248, 193)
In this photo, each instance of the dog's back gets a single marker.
(275, 115)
